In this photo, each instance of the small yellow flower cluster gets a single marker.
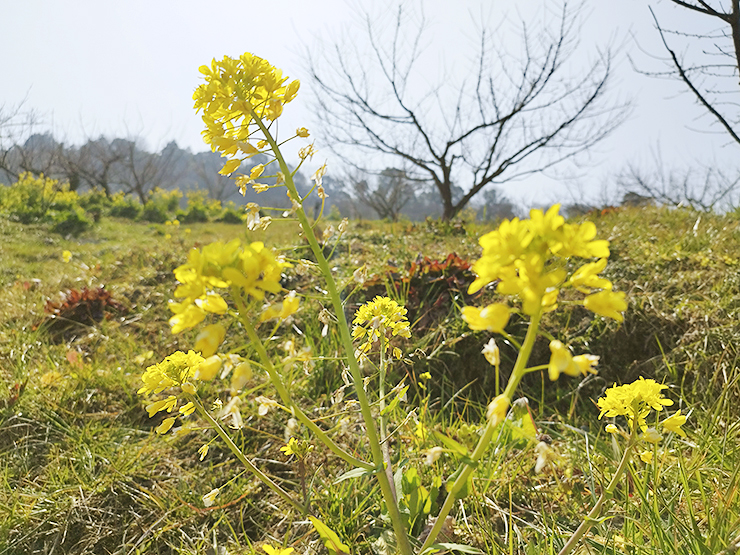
(526, 256)
(177, 370)
(235, 91)
(634, 401)
(376, 318)
(252, 268)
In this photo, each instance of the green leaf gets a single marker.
(451, 444)
(394, 403)
(329, 537)
(521, 422)
(354, 473)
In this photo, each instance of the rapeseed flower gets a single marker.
(674, 422)
(562, 362)
(634, 401)
(210, 339)
(252, 268)
(175, 370)
(235, 91)
(377, 318)
(526, 258)
(493, 317)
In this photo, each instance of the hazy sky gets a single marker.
(89, 67)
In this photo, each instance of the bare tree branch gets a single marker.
(515, 115)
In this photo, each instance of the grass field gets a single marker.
(81, 471)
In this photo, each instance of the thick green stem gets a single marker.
(404, 546)
(242, 458)
(469, 465)
(595, 512)
(283, 392)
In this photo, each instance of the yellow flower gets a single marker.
(174, 370)
(376, 318)
(241, 375)
(586, 277)
(302, 132)
(562, 362)
(165, 404)
(674, 422)
(208, 369)
(186, 316)
(203, 451)
(212, 302)
(607, 303)
(634, 401)
(235, 92)
(612, 429)
(578, 240)
(497, 410)
(493, 317)
(66, 256)
(165, 426)
(209, 340)
(651, 435)
(281, 310)
(230, 167)
(297, 447)
(273, 551)
(253, 268)
(646, 456)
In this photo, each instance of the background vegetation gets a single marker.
(81, 472)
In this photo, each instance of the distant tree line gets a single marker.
(114, 166)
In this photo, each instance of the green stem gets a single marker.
(283, 392)
(372, 435)
(382, 371)
(242, 458)
(595, 512)
(467, 467)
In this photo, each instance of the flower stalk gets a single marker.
(384, 482)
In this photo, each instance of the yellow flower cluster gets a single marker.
(177, 370)
(635, 400)
(235, 91)
(252, 268)
(526, 256)
(376, 318)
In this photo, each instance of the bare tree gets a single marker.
(388, 195)
(514, 115)
(96, 164)
(23, 149)
(700, 187)
(709, 65)
(143, 171)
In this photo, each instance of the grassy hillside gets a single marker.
(82, 472)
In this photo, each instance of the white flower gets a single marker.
(433, 454)
(210, 497)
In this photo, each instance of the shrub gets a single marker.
(31, 198)
(73, 222)
(125, 206)
(161, 205)
(199, 208)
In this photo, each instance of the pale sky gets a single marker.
(89, 67)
